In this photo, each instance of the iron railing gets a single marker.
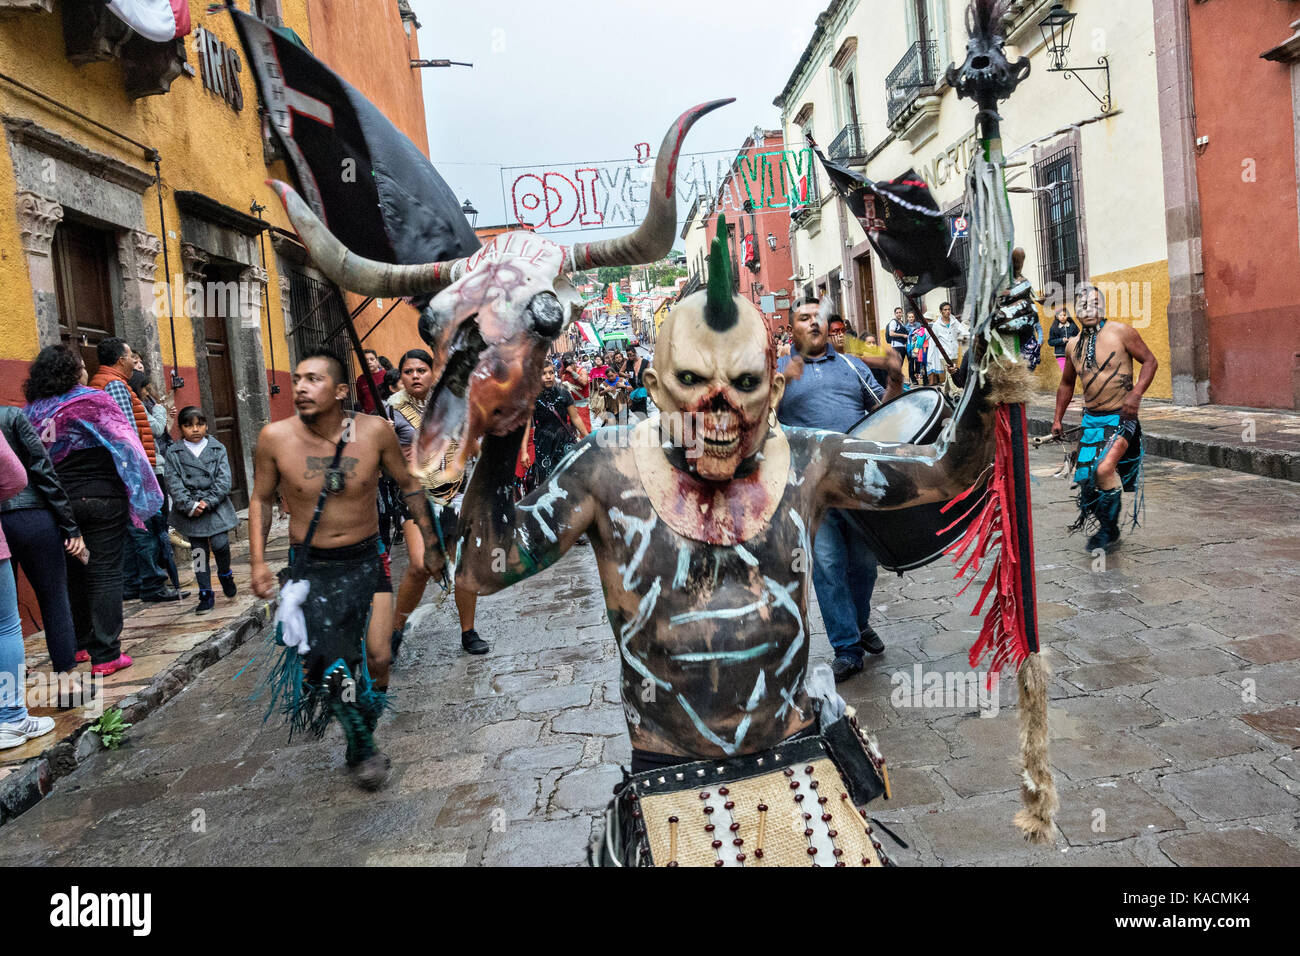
(851, 145)
(915, 73)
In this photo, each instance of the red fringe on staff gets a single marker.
(993, 534)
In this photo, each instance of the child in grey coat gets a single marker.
(198, 480)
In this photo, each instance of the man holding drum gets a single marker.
(829, 390)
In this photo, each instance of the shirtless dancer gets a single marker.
(344, 562)
(699, 542)
(1110, 451)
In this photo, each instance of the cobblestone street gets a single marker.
(1174, 719)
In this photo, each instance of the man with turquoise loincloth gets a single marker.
(1100, 358)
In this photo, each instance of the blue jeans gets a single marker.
(37, 547)
(13, 670)
(844, 575)
(166, 559)
(144, 571)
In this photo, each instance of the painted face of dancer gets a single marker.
(417, 379)
(317, 388)
(548, 376)
(722, 384)
(1090, 307)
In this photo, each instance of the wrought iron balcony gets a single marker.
(915, 74)
(850, 146)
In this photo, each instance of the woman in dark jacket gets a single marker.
(1063, 329)
(40, 527)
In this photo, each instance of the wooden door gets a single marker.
(224, 425)
(81, 256)
(867, 297)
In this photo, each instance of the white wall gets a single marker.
(1122, 194)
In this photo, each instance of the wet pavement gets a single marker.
(154, 635)
(1175, 719)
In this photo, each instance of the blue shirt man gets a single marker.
(835, 392)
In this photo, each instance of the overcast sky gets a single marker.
(563, 82)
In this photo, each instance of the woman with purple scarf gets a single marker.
(100, 462)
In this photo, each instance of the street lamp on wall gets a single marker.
(1057, 29)
(470, 212)
(771, 241)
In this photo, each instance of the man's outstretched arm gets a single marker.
(501, 542)
(864, 474)
(875, 475)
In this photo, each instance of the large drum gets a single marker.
(908, 538)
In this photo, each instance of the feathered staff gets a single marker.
(1004, 529)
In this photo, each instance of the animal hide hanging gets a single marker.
(1005, 638)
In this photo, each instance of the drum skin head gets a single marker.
(905, 420)
(904, 539)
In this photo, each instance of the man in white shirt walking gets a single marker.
(949, 333)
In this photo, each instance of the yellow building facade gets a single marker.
(198, 270)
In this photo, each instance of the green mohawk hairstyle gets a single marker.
(720, 312)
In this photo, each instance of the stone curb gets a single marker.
(26, 786)
(1266, 462)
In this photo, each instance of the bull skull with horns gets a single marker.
(496, 312)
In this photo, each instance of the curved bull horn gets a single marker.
(653, 239)
(353, 272)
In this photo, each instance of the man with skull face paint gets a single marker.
(702, 523)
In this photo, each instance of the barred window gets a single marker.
(319, 314)
(1058, 218)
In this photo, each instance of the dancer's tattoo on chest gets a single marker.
(317, 465)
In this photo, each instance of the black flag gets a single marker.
(360, 174)
(904, 224)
